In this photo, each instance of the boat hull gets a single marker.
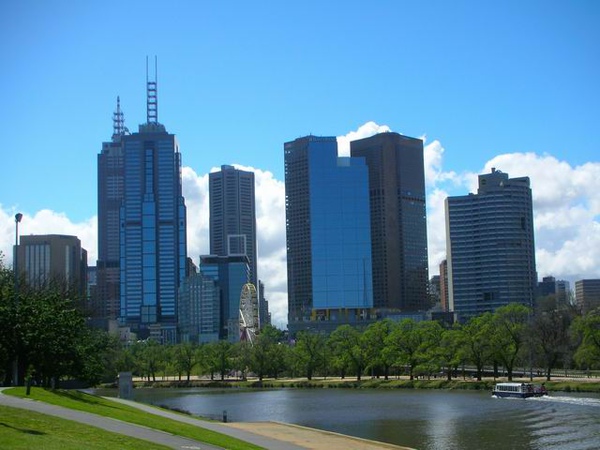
(516, 394)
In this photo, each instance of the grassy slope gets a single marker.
(22, 429)
(97, 405)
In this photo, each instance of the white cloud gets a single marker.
(364, 131)
(566, 203)
(195, 192)
(46, 222)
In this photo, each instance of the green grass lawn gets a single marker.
(98, 405)
(22, 429)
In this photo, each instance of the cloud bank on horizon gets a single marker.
(566, 202)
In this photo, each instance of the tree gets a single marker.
(375, 337)
(510, 324)
(242, 357)
(587, 330)
(429, 334)
(309, 350)
(97, 351)
(350, 348)
(264, 355)
(50, 329)
(403, 343)
(8, 322)
(451, 350)
(218, 357)
(184, 358)
(550, 337)
(477, 339)
(149, 357)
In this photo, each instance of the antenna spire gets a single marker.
(151, 89)
(118, 121)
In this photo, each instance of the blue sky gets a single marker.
(512, 83)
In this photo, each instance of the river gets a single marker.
(422, 419)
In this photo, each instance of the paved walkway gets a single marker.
(106, 423)
(269, 435)
(275, 435)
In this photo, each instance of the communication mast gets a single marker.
(118, 122)
(152, 98)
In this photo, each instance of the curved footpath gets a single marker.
(270, 435)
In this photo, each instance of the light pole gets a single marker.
(18, 218)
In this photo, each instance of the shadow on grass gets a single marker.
(23, 430)
(81, 397)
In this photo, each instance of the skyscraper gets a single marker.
(110, 196)
(233, 215)
(328, 236)
(398, 220)
(141, 173)
(490, 246)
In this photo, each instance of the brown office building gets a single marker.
(53, 258)
(398, 221)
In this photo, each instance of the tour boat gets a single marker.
(519, 390)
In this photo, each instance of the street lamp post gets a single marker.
(18, 218)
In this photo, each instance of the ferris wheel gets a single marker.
(249, 325)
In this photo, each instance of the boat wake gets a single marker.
(582, 401)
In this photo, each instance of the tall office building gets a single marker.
(490, 246)
(110, 196)
(398, 220)
(141, 173)
(233, 215)
(50, 259)
(587, 294)
(328, 236)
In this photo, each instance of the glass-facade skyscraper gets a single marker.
(152, 231)
(110, 196)
(490, 246)
(233, 215)
(328, 236)
(398, 220)
(142, 226)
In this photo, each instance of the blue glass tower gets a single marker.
(231, 274)
(152, 234)
(328, 235)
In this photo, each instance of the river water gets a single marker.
(421, 419)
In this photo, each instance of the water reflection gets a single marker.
(426, 420)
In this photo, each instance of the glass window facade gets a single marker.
(490, 246)
(231, 273)
(152, 229)
(398, 220)
(233, 215)
(327, 229)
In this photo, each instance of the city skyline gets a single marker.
(516, 92)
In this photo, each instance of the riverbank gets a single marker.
(168, 428)
(591, 385)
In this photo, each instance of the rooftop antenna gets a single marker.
(118, 121)
(152, 100)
